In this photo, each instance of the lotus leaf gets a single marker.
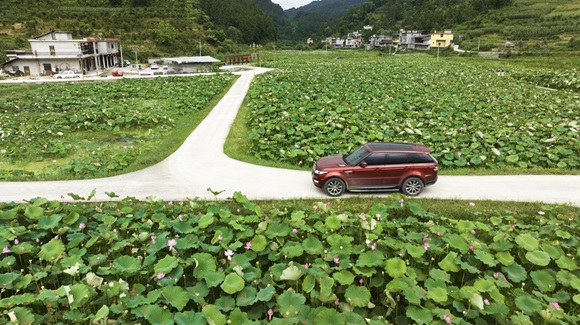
(166, 264)
(292, 249)
(290, 303)
(51, 250)
(232, 283)
(567, 263)
(259, 243)
(291, 273)
(176, 296)
(396, 267)
(189, 317)
(437, 294)
(538, 258)
(420, 315)
(528, 305)
(448, 263)
(371, 258)
(225, 303)
(485, 257)
(313, 246)
(515, 272)
(357, 296)
(343, 277)
(127, 264)
(329, 316)
(266, 294)
(527, 242)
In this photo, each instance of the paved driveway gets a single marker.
(200, 164)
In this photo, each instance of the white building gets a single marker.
(58, 51)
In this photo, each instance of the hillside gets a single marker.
(485, 24)
(156, 27)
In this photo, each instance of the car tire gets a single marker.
(334, 186)
(412, 186)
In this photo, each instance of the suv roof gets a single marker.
(402, 146)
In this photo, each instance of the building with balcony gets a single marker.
(444, 39)
(58, 51)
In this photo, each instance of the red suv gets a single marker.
(377, 166)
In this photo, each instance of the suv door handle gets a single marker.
(348, 172)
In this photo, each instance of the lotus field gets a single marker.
(193, 262)
(470, 116)
(81, 130)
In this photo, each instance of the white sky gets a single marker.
(287, 4)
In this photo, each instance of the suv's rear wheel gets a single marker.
(412, 186)
(334, 186)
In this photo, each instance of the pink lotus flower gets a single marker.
(270, 314)
(336, 260)
(248, 246)
(171, 243)
(472, 231)
(153, 239)
(229, 254)
(495, 274)
(295, 231)
(82, 225)
(16, 241)
(485, 301)
(363, 217)
(555, 305)
(374, 246)
(336, 302)
(180, 217)
(447, 319)
(160, 276)
(471, 247)
(5, 250)
(306, 266)
(438, 234)
(426, 245)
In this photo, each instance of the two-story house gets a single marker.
(444, 39)
(58, 51)
(413, 39)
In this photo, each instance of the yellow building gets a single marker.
(444, 39)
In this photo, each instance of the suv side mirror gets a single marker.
(363, 164)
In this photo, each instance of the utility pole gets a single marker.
(200, 47)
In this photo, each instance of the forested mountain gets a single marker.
(313, 19)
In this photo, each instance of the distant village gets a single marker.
(405, 39)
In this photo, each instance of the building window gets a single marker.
(52, 52)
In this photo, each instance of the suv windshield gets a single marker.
(356, 157)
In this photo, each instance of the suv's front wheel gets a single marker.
(412, 186)
(334, 186)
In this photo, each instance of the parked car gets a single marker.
(154, 66)
(67, 74)
(375, 166)
(124, 63)
(117, 73)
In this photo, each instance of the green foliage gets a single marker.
(92, 129)
(470, 116)
(113, 263)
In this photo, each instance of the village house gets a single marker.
(58, 51)
(444, 39)
(414, 39)
(380, 40)
(353, 40)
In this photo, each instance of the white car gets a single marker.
(154, 66)
(67, 74)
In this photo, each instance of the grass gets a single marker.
(452, 208)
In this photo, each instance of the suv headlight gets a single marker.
(319, 172)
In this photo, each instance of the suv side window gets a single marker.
(375, 158)
(395, 158)
(420, 158)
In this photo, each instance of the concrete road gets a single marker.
(200, 164)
